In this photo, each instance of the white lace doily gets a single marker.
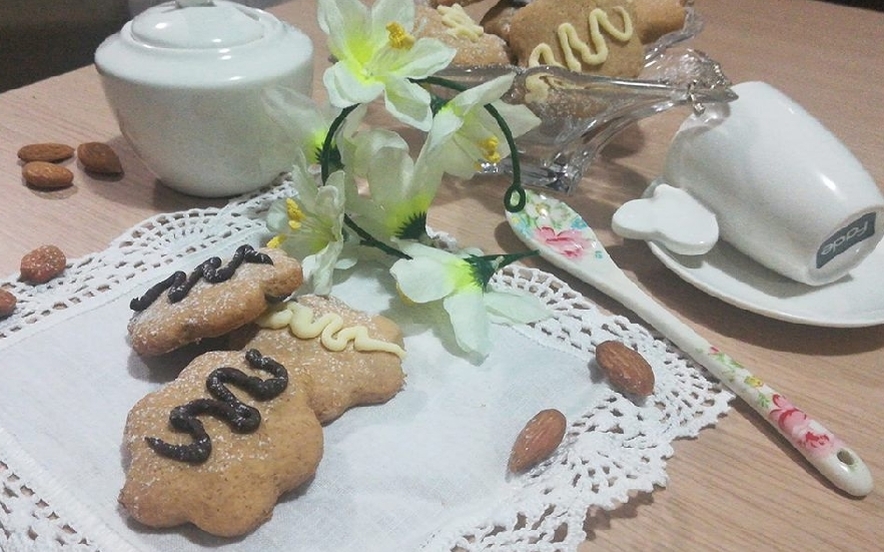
(613, 449)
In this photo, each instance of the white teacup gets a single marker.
(783, 190)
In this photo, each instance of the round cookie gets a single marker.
(235, 488)
(589, 36)
(455, 28)
(361, 371)
(223, 297)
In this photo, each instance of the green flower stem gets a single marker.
(515, 198)
(369, 240)
(328, 144)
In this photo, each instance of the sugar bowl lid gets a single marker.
(196, 24)
(201, 43)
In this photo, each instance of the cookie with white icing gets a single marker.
(345, 357)
(588, 36)
(456, 28)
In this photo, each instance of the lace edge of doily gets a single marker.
(75, 528)
(558, 519)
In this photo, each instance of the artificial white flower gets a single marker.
(362, 148)
(308, 122)
(400, 191)
(376, 54)
(305, 121)
(310, 226)
(461, 283)
(464, 134)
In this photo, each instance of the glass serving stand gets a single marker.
(580, 113)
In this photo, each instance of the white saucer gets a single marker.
(857, 300)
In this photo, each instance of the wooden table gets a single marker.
(738, 486)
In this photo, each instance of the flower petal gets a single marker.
(362, 150)
(319, 268)
(303, 121)
(343, 21)
(485, 93)
(513, 307)
(456, 160)
(469, 321)
(518, 118)
(445, 124)
(414, 249)
(385, 11)
(426, 57)
(409, 103)
(345, 89)
(422, 279)
(277, 219)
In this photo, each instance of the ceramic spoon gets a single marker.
(563, 238)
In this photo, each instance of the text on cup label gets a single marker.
(845, 238)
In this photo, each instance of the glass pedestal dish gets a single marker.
(580, 113)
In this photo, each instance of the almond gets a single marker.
(46, 175)
(42, 264)
(627, 370)
(7, 303)
(47, 151)
(538, 439)
(100, 158)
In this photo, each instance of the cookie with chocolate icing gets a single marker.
(212, 300)
(217, 446)
(343, 357)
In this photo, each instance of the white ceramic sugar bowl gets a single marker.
(186, 80)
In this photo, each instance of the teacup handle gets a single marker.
(669, 216)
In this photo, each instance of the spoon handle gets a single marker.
(563, 238)
(827, 453)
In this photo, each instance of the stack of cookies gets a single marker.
(242, 423)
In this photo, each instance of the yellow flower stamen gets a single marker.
(276, 241)
(489, 149)
(295, 214)
(400, 39)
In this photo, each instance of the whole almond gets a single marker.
(42, 264)
(538, 439)
(627, 369)
(7, 303)
(98, 157)
(46, 175)
(47, 151)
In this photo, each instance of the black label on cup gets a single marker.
(844, 239)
